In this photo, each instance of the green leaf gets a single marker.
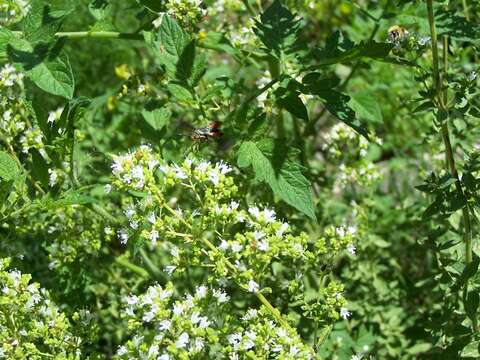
(419, 348)
(471, 304)
(217, 41)
(157, 118)
(152, 5)
(271, 164)
(180, 92)
(344, 52)
(174, 49)
(294, 105)
(278, 29)
(41, 22)
(54, 76)
(6, 36)
(100, 9)
(8, 167)
(366, 107)
(471, 350)
(337, 104)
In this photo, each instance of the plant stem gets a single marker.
(250, 9)
(136, 269)
(441, 102)
(98, 35)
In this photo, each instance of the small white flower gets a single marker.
(201, 291)
(107, 188)
(151, 218)
(344, 313)
(169, 269)
(236, 247)
(356, 357)
(263, 245)
(154, 237)
(165, 325)
(351, 249)
(294, 350)
(122, 350)
(253, 286)
(182, 340)
(123, 236)
(221, 296)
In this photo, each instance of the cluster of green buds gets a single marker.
(188, 13)
(202, 325)
(31, 325)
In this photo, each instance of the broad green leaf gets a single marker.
(366, 107)
(419, 348)
(471, 304)
(471, 350)
(174, 49)
(157, 118)
(8, 167)
(271, 164)
(337, 104)
(179, 92)
(278, 29)
(6, 37)
(153, 5)
(99, 9)
(54, 76)
(342, 52)
(41, 22)
(294, 105)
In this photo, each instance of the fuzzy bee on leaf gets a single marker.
(397, 33)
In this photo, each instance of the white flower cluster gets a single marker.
(182, 328)
(362, 173)
(341, 135)
(39, 327)
(263, 337)
(134, 169)
(202, 325)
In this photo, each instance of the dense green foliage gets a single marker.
(239, 179)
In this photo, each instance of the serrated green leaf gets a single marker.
(337, 104)
(294, 105)
(152, 5)
(343, 52)
(366, 107)
(54, 76)
(157, 118)
(41, 22)
(419, 348)
(6, 36)
(180, 92)
(175, 50)
(99, 9)
(471, 350)
(278, 29)
(271, 165)
(8, 167)
(471, 304)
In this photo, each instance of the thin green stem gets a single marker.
(132, 267)
(441, 103)
(465, 10)
(99, 35)
(250, 9)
